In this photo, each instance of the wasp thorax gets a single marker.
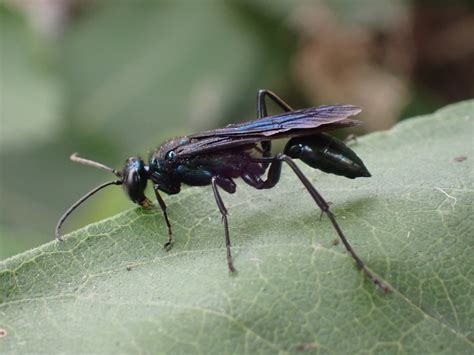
(134, 178)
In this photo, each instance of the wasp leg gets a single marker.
(262, 112)
(162, 204)
(322, 212)
(262, 105)
(324, 206)
(273, 176)
(217, 181)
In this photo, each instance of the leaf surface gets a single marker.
(111, 287)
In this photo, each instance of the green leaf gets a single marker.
(111, 287)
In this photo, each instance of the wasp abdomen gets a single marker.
(326, 153)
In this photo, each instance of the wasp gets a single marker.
(217, 157)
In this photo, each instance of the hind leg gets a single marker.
(262, 112)
(273, 179)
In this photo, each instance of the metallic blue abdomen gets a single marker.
(328, 154)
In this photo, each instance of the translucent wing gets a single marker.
(290, 124)
(309, 118)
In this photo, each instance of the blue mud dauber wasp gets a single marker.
(243, 150)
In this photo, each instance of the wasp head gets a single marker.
(134, 177)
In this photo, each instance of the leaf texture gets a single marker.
(111, 287)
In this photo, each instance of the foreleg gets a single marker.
(162, 204)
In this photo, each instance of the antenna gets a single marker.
(77, 159)
(82, 199)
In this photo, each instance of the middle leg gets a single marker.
(215, 181)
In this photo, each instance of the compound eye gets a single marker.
(170, 155)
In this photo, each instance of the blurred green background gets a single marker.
(111, 79)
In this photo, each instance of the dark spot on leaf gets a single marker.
(460, 158)
(335, 242)
(3, 333)
(129, 268)
(307, 346)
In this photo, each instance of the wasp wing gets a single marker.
(308, 118)
(290, 124)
